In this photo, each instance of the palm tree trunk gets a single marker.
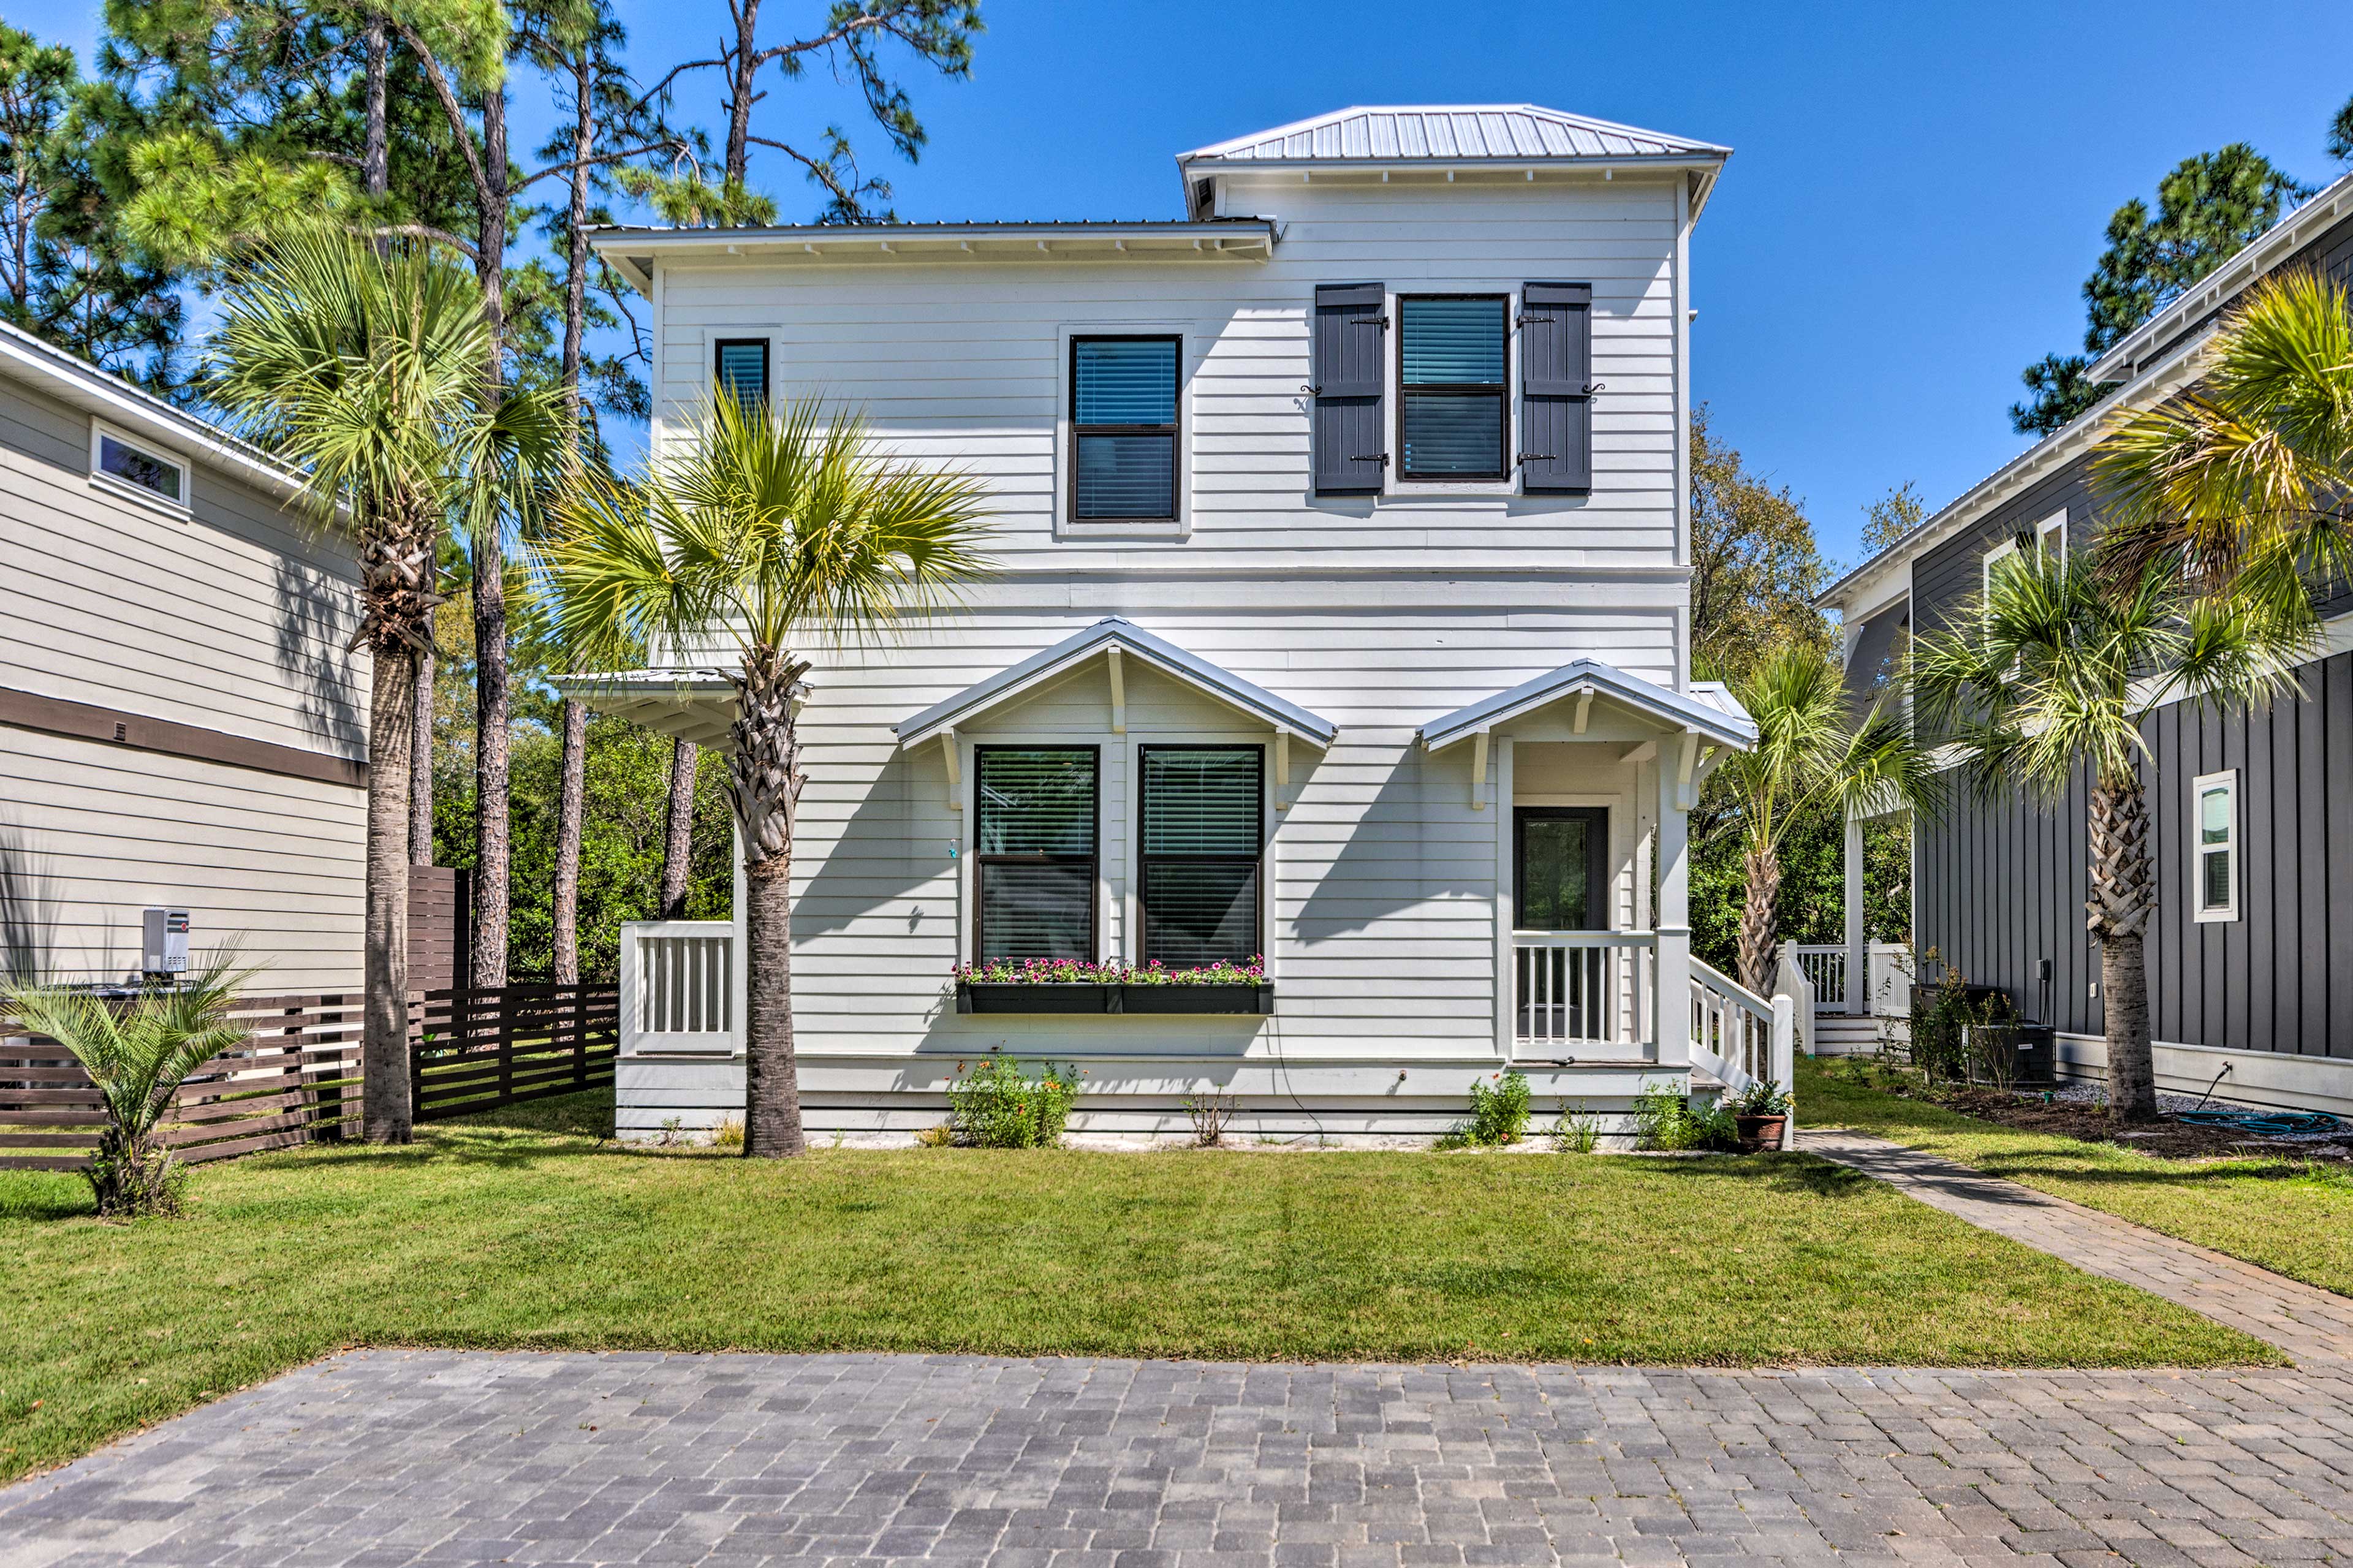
(492, 840)
(385, 1110)
(677, 841)
(568, 792)
(764, 784)
(420, 764)
(1760, 914)
(2117, 914)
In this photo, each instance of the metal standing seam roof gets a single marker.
(1708, 707)
(1452, 132)
(1113, 632)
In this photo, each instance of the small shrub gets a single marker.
(673, 1133)
(1665, 1119)
(1579, 1131)
(998, 1106)
(938, 1137)
(1715, 1127)
(1499, 1112)
(728, 1134)
(1209, 1113)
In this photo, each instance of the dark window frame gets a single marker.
(981, 862)
(1501, 392)
(1144, 859)
(1597, 858)
(719, 347)
(1173, 430)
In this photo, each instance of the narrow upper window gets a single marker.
(2214, 845)
(2050, 534)
(1203, 832)
(1124, 429)
(119, 460)
(1035, 858)
(1452, 415)
(740, 366)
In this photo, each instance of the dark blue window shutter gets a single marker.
(1557, 386)
(1349, 445)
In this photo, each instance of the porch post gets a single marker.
(1858, 966)
(1673, 1011)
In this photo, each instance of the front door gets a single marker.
(1560, 859)
(1560, 882)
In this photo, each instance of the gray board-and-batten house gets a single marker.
(2251, 946)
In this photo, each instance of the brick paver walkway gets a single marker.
(391, 1457)
(2314, 1326)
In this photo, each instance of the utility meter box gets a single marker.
(164, 941)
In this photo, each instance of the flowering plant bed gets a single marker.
(1074, 985)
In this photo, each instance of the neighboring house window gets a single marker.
(1035, 858)
(1203, 834)
(1452, 410)
(740, 366)
(2214, 843)
(117, 460)
(2051, 533)
(1124, 429)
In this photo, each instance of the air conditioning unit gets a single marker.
(164, 941)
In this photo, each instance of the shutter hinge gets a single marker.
(1380, 321)
(1380, 457)
(1536, 458)
(1526, 320)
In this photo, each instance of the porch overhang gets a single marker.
(1107, 637)
(687, 704)
(1708, 709)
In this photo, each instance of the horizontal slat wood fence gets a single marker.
(297, 1078)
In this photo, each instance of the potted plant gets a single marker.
(1761, 1112)
(1208, 988)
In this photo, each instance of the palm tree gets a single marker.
(773, 534)
(2051, 675)
(365, 370)
(1814, 752)
(137, 1054)
(2247, 477)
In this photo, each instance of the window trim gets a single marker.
(1502, 391)
(2053, 526)
(981, 861)
(1145, 858)
(100, 432)
(719, 346)
(2227, 781)
(1175, 430)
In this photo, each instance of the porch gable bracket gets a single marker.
(1118, 638)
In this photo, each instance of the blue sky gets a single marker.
(1917, 194)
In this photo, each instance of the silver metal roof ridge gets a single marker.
(1708, 707)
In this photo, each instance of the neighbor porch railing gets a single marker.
(1890, 994)
(1585, 989)
(1825, 968)
(1741, 1036)
(682, 988)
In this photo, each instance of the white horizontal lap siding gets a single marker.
(1382, 896)
(234, 618)
(963, 362)
(91, 834)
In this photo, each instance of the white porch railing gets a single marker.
(681, 989)
(1790, 979)
(1741, 1036)
(1890, 992)
(1583, 988)
(1826, 967)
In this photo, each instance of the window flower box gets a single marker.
(1069, 985)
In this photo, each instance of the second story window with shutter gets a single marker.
(1452, 416)
(1124, 429)
(739, 367)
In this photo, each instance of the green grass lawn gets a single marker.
(520, 1229)
(2287, 1217)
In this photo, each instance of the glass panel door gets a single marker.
(1561, 860)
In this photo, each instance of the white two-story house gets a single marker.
(1341, 617)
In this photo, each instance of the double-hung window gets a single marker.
(1124, 429)
(1453, 411)
(1034, 861)
(740, 366)
(2214, 845)
(1204, 831)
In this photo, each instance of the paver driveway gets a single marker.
(385, 1458)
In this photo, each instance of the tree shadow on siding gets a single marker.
(317, 612)
(1406, 848)
(28, 912)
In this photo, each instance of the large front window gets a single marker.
(1452, 414)
(1034, 860)
(1124, 429)
(1203, 827)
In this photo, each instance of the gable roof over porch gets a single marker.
(1113, 633)
(1708, 708)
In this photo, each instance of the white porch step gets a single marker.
(1844, 1035)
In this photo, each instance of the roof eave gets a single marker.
(1671, 708)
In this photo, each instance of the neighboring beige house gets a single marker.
(182, 726)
